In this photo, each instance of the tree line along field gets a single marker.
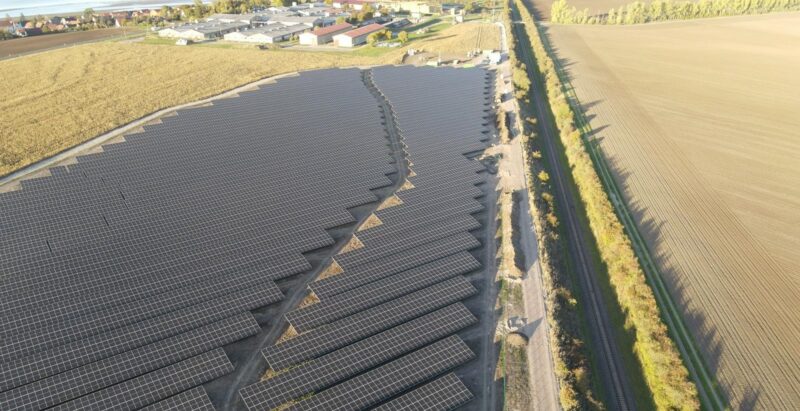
(699, 122)
(77, 93)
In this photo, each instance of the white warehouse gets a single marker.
(201, 31)
(271, 33)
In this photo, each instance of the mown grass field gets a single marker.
(57, 99)
(702, 136)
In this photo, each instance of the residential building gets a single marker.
(324, 35)
(356, 37)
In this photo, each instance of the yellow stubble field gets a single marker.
(700, 121)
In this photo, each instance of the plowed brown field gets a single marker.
(701, 122)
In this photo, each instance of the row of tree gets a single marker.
(564, 322)
(663, 10)
(664, 371)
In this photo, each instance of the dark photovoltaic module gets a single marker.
(153, 251)
(126, 275)
(388, 323)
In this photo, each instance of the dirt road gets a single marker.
(544, 387)
(610, 367)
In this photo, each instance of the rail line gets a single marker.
(611, 368)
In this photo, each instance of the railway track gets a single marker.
(614, 379)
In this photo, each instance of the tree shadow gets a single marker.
(705, 334)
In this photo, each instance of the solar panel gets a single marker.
(356, 358)
(366, 273)
(195, 399)
(110, 318)
(443, 394)
(348, 330)
(395, 377)
(97, 375)
(149, 388)
(387, 240)
(77, 353)
(361, 298)
(120, 267)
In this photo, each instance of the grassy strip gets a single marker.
(567, 345)
(664, 10)
(664, 371)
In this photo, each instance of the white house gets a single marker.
(355, 37)
(323, 35)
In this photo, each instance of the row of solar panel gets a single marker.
(123, 267)
(383, 303)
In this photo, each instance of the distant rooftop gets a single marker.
(332, 29)
(364, 30)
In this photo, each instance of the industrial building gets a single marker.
(202, 31)
(253, 27)
(356, 37)
(324, 35)
(267, 34)
(249, 18)
(311, 21)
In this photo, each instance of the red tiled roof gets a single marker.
(331, 29)
(364, 30)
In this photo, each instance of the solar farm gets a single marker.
(316, 243)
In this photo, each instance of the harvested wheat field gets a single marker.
(699, 120)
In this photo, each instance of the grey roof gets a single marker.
(309, 20)
(209, 27)
(267, 28)
(298, 28)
